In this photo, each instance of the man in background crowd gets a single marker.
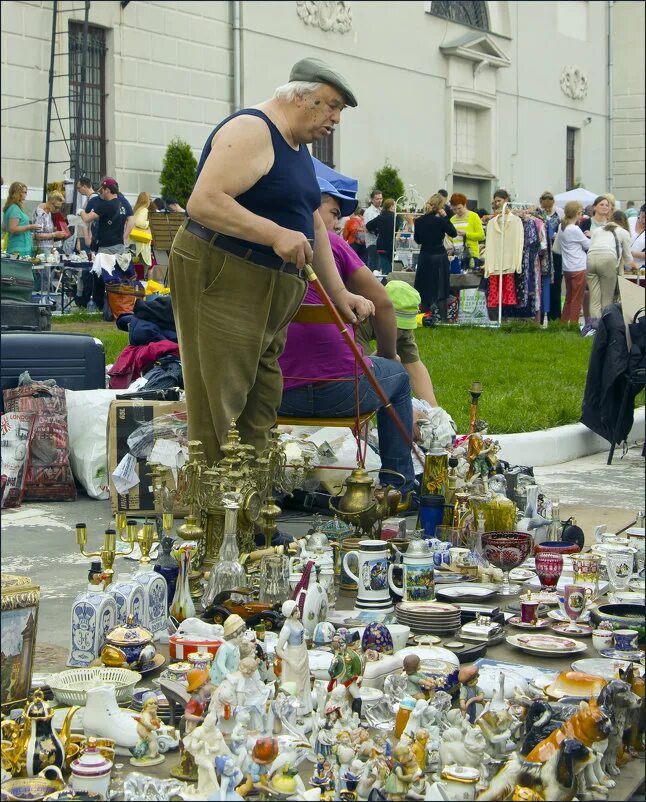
(373, 210)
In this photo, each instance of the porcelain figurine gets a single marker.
(418, 684)
(374, 775)
(471, 695)
(227, 658)
(404, 775)
(636, 719)
(464, 745)
(258, 763)
(198, 686)
(419, 747)
(229, 776)
(239, 738)
(327, 726)
(94, 614)
(243, 689)
(496, 726)
(345, 670)
(323, 634)
(195, 627)
(292, 650)
(204, 743)
(323, 776)
(146, 752)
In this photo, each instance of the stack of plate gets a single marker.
(42, 681)
(163, 705)
(436, 617)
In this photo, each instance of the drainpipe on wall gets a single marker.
(609, 182)
(236, 15)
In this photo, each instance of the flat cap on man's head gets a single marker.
(313, 70)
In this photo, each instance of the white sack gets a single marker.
(87, 420)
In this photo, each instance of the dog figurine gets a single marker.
(635, 723)
(589, 723)
(555, 779)
(540, 723)
(618, 702)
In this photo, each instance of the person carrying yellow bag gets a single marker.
(141, 237)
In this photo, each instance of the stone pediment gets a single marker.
(478, 47)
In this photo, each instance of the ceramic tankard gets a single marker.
(418, 578)
(371, 576)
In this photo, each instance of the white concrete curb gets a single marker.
(560, 444)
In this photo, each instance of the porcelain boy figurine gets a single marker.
(227, 658)
(418, 685)
(471, 693)
(146, 752)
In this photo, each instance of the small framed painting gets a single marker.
(20, 601)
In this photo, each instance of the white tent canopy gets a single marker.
(580, 194)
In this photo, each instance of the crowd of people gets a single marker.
(607, 242)
(104, 222)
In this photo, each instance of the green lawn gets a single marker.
(531, 378)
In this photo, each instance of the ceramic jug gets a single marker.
(371, 576)
(418, 577)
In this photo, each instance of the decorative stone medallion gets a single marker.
(328, 16)
(574, 82)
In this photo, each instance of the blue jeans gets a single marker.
(385, 263)
(373, 262)
(337, 399)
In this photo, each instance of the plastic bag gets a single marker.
(165, 427)
(17, 429)
(87, 419)
(49, 476)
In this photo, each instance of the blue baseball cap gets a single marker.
(347, 202)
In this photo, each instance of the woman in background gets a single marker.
(468, 225)
(609, 251)
(16, 223)
(384, 227)
(574, 246)
(47, 235)
(433, 271)
(552, 216)
(142, 260)
(354, 233)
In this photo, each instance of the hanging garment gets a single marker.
(504, 252)
(508, 291)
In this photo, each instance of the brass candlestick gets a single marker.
(107, 552)
(476, 391)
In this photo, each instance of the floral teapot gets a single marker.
(418, 576)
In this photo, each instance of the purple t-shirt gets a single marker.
(317, 351)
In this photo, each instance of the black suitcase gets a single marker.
(75, 361)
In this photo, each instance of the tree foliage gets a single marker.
(178, 171)
(389, 181)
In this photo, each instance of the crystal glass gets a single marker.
(574, 599)
(274, 579)
(586, 570)
(507, 550)
(227, 573)
(620, 569)
(549, 567)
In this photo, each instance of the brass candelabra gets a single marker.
(108, 550)
(476, 391)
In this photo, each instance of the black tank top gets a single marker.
(289, 194)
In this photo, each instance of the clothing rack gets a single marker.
(513, 206)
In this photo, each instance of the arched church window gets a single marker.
(472, 13)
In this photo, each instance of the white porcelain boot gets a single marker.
(103, 718)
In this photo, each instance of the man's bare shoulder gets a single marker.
(246, 129)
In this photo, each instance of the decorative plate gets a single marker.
(575, 683)
(575, 630)
(546, 644)
(427, 607)
(521, 574)
(600, 667)
(516, 621)
(614, 654)
(466, 591)
(426, 640)
(426, 653)
(559, 615)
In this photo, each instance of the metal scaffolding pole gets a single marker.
(50, 99)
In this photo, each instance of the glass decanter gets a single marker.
(227, 573)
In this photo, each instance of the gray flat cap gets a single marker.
(313, 70)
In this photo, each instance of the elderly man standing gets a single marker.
(236, 264)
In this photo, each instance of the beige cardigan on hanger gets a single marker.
(509, 259)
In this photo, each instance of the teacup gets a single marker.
(457, 557)
(602, 639)
(625, 639)
(528, 612)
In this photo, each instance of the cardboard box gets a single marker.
(124, 418)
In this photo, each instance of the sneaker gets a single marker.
(585, 331)
(590, 333)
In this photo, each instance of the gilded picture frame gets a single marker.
(19, 626)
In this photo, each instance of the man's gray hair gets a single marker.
(290, 91)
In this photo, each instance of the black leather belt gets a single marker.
(231, 245)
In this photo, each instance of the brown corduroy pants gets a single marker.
(231, 318)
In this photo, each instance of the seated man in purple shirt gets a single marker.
(319, 353)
